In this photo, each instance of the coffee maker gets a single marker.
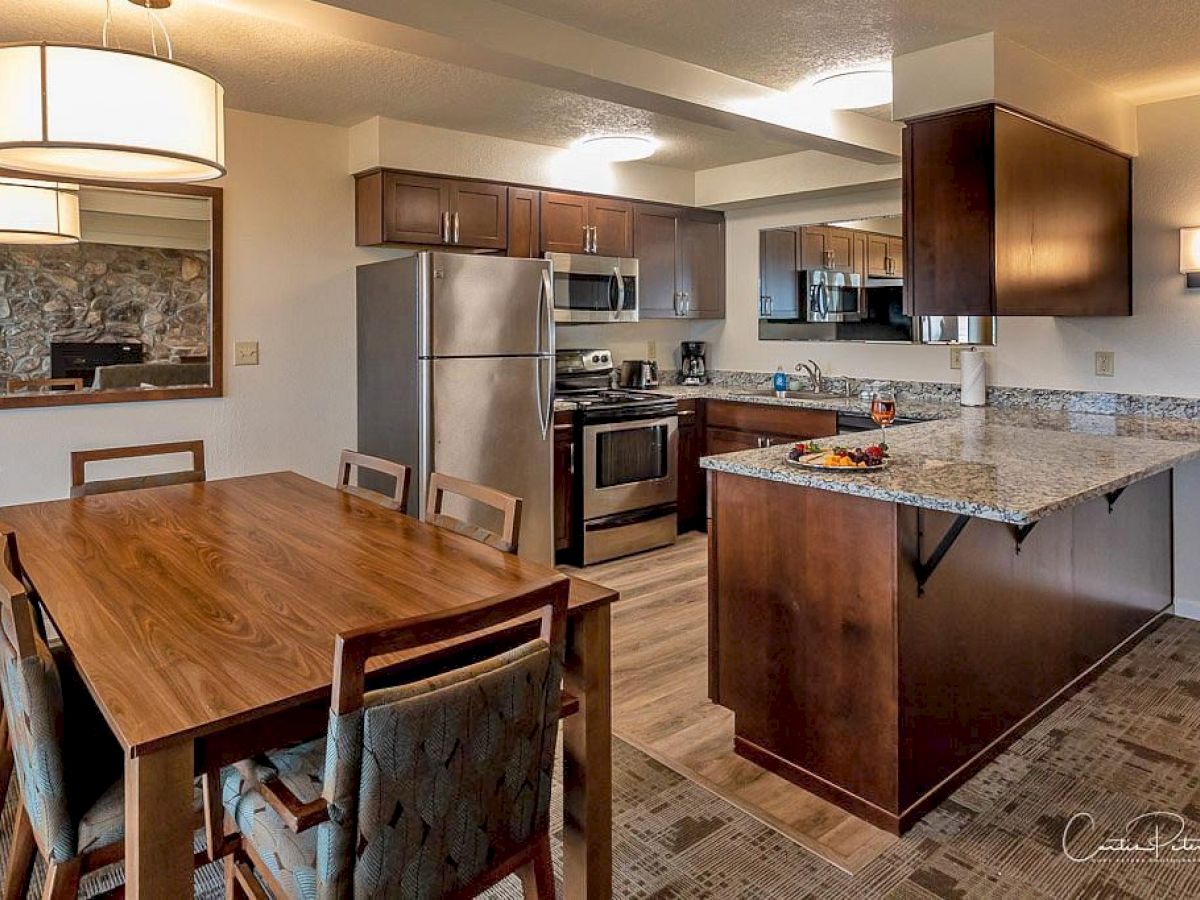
(692, 368)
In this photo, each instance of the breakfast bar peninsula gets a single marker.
(880, 636)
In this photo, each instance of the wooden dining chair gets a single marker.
(508, 506)
(81, 487)
(44, 384)
(401, 474)
(67, 814)
(437, 788)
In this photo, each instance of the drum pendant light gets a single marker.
(38, 212)
(78, 111)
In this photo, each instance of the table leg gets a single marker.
(158, 823)
(587, 760)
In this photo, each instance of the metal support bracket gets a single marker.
(1112, 497)
(1020, 532)
(926, 569)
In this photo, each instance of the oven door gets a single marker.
(834, 296)
(594, 288)
(629, 465)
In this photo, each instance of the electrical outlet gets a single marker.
(1106, 363)
(956, 357)
(245, 353)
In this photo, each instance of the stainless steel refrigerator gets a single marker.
(456, 375)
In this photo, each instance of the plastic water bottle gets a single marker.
(780, 383)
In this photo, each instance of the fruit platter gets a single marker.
(811, 455)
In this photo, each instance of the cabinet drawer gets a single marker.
(771, 420)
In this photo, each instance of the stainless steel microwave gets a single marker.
(594, 288)
(831, 295)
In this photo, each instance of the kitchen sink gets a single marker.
(803, 395)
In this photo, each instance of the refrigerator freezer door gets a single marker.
(485, 420)
(487, 306)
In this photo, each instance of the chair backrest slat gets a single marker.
(507, 505)
(401, 474)
(81, 487)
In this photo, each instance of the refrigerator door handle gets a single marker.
(545, 394)
(545, 313)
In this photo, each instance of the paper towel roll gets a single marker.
(974, 378)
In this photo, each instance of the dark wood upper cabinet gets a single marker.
(1009, 216)
(399, 208)
(655, 242)
(681, 262)
(702, 264)
(479, 215)
(413, 209)
(778, 282)
(612, 226)
(565, 223)
(575, 223)
(524, 222)
(811, 248)
(877, 255)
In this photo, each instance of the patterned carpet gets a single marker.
(1126, 745)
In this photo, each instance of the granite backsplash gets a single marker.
(1001, 397)
(100, 292)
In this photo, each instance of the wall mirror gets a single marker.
(844, 281)
(131, 311)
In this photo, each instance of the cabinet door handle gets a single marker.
(595, 239)
(571, 465)
(445, 228)
(456, 228)
(587, 238)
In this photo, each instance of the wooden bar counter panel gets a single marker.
(848, 680)
(203, 616)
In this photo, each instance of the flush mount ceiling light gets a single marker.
(859, 89)
(38, 212)
(79, 111)
(616, 147)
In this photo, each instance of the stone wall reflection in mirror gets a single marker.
(129, 308)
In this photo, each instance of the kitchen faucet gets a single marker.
(813, 371)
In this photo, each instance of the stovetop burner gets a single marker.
(610, 397)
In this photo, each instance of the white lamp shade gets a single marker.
(38, 212)
(112, 115)
(1189, 250)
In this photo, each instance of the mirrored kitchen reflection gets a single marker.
(844, 281)
(130, 312)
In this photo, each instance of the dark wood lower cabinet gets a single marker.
(848, 680)
(691, 476)
(564, 480)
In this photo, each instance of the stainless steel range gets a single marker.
(626, 452)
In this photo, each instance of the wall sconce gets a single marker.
(1189, 256)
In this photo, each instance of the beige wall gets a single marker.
(289, 284)
(423, 148)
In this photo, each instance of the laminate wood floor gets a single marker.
(661, 705)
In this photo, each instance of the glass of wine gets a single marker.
(883, 412)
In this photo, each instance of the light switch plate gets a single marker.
(956, 357)
(1106, 363)
(245, 353)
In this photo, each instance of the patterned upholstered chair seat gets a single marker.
(426, 784)
(290, 857)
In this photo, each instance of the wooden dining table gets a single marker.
(202, 619)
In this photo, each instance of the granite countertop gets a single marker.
(1009, 465)
(914, 409)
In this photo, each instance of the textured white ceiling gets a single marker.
(1145, 49)
(1142, 47)
(289, 71)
